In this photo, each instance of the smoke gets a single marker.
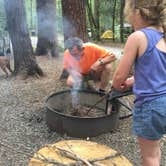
(75, 98)
(47, 22)
(77, 85)
(69, 28)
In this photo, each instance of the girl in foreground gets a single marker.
(146, 50)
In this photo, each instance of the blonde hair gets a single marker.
(152, 11)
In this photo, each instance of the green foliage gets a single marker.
(30, 7)
(106, 8)
(59, 21)
(106, 18)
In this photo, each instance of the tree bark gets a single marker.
(47, 35)
(97, 18)
(74, 19)
(91, 18)
(122, 21)
(24, 59)
(113, 19)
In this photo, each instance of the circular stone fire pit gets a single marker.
(59, 118)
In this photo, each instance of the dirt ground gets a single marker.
(22, 119)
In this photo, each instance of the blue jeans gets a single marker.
(149, 120)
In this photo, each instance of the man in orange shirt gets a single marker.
(87, 59)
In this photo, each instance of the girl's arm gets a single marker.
(120, 81)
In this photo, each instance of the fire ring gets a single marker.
(58, 120)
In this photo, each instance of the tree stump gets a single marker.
(78, 152)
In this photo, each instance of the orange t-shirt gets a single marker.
(91, 54)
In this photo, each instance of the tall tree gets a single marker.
(113, 19)
(91, 18)
(74, 19)
(24, 59)
(47, 36)
(122, 21)
(97, 18)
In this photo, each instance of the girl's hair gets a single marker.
(152, 11)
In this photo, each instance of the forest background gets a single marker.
(40, 27)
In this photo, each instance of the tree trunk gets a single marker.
(91, 18)
(24, 59)
(121, 21)
(74, 19)
(97, 18)
(113, 19)
(47, 36)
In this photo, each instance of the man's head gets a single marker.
(75, 46)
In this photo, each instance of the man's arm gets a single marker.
(107, 59)
(98, 65)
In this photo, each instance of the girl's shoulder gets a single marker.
(137, 42)
(137, 37)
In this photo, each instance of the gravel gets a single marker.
(22, 124)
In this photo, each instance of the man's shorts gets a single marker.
(149, 120)
(92, 75)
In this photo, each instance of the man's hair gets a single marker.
(72, 42)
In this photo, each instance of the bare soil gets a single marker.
(22, 119)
